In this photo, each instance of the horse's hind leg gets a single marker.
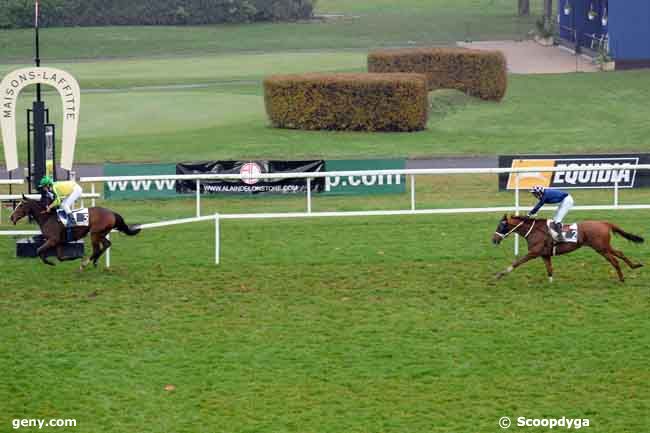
(95, 240)
(105, 244)
(629, 262)
(612, 259)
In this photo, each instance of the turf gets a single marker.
(385, 324)
(381, 324)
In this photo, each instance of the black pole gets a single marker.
(38, 112)
(37, 48)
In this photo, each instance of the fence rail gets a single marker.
(11, 181)
(313, 175)
(323, 174)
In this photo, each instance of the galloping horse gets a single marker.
(101, 222)
(594, 234)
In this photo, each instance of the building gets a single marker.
(619, 28)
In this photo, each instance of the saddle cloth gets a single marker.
(80, 217)
(570, 232)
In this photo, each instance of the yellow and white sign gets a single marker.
(68, 88)
(528, 180)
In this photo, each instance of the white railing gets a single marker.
(412, 173)
(11, 181)
(309, 213)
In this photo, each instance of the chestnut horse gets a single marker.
(594, 234)
(101, 222)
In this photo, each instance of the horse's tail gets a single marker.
(629, 236)
(126, 229)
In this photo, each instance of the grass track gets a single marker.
(382, 324)
(351, 325)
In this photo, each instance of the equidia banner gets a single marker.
(250, 184)
(605, 178)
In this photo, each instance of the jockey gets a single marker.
(548, 195)
(62, 194)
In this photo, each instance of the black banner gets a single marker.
(251, 184)
(605, 178)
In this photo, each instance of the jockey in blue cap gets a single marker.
(549, 195)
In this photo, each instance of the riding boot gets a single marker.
(68, 227)
(558, 228)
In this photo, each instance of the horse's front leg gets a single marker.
(549, 267)
(59, 254)
(42, 251)
(517, 263)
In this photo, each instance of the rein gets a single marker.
(532, 226)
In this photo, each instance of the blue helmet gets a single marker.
(537, 190)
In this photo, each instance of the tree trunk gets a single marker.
(548, 10)
(524, 7)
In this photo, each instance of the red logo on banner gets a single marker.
(250, 170)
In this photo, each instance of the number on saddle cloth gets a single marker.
(570, 232)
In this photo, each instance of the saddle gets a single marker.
(80, 218)
(570, 232)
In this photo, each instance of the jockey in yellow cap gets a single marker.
(63, 194)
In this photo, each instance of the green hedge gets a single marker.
(353, 102)
(20, 13)
(476, 72)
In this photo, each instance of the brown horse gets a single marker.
(595, 234)
(101, 222)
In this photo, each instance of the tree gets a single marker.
(548, 10)
(524, 7)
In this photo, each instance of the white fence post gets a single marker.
(412, 192)
(517, 212)
(308, 195)
(217, 240)
(108, 253)
(93, 203)
(198, 198)
(616, 192)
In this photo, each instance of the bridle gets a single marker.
(532, 226)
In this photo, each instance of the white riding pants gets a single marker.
(68, 202)
(564, 208)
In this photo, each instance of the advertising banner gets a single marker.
(363, 185)
(251, 184)
(605, 178)
(139, 189)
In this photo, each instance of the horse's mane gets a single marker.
(37, 204)
(521, 217)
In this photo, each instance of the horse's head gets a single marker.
(25, 207)
(506, 224)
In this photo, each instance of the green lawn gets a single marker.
(370, 23)
(391, 324)
(226, 120)
(136, 118)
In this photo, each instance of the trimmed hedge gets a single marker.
(20, 13)
(476, 72)
(352, 102)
